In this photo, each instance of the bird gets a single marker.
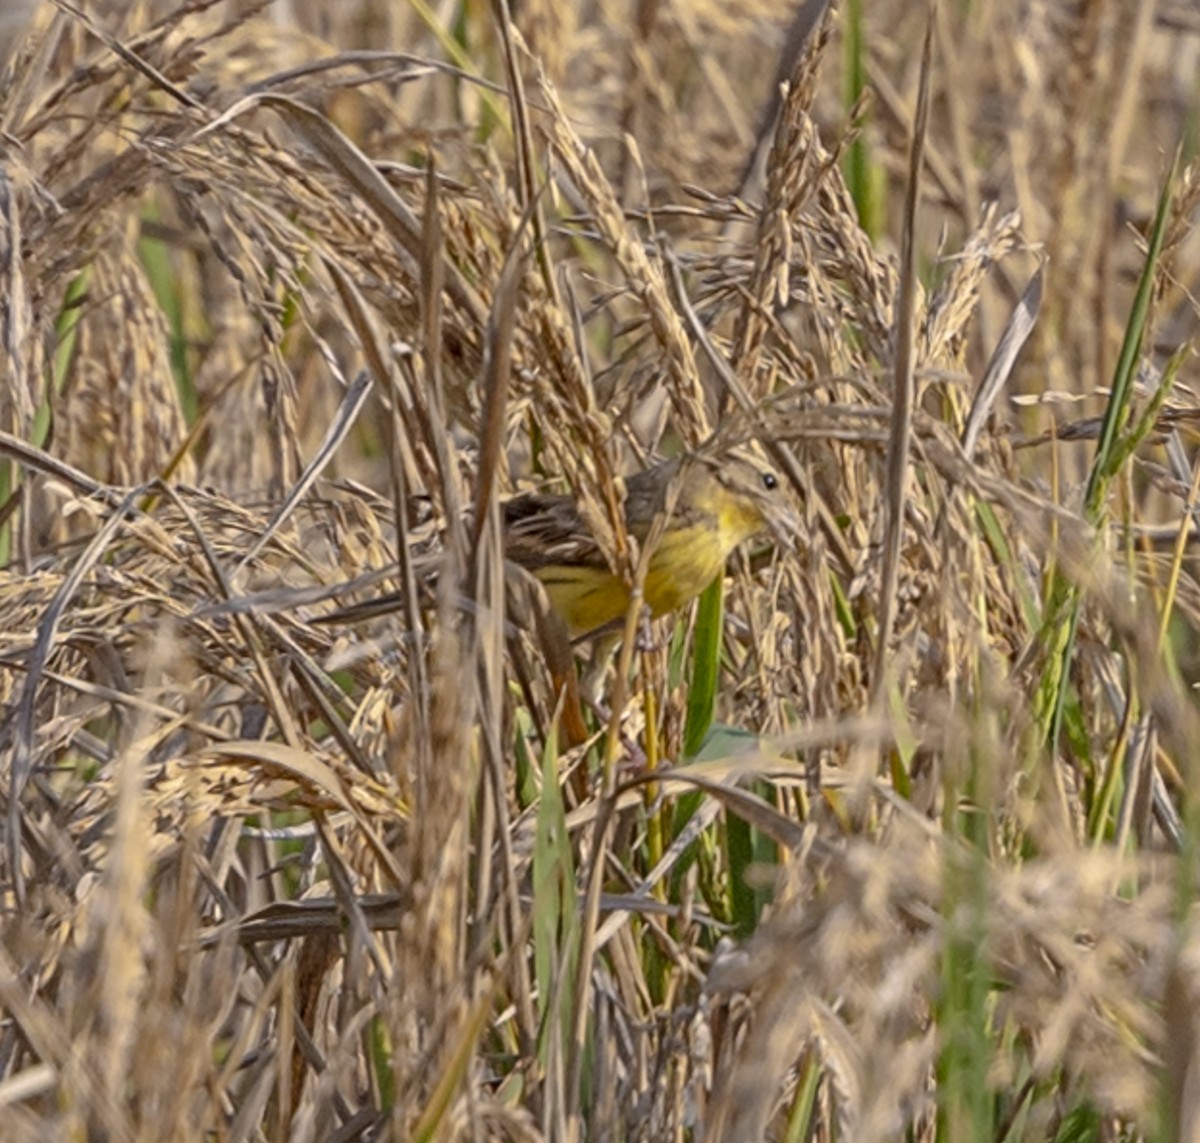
(710, 503)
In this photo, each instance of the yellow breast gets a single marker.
(690, 554)
(686, 561)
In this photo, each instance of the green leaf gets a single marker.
(706, 667)
(555, 926)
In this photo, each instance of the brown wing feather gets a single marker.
(540, 530)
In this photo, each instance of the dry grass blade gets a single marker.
(751, 809)
(17, 314)
(645, 277)
(523, 131)
(794, 174)
(347, 414)
(903, 395)
(361, 879)
(805, 21)
(1004, 357)
(38, 460)
(130, 56)
(23, 753)
(361, 174)
(497, 370)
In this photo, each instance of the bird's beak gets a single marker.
(783, 522)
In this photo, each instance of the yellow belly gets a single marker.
(586, 598)
(685, 562)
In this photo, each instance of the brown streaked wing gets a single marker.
(541, 530)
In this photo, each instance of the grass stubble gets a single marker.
(292, 299)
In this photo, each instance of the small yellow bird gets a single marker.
(719, 502)
(715, 501)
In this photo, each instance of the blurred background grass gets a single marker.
(290, 287)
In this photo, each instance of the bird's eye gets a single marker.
(770, 482)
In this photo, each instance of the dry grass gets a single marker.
(294, 293)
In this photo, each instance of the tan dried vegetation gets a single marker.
(295, 293)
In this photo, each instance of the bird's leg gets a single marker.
(646, 640)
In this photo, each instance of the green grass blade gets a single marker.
(706, 667)
(1063, 611)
